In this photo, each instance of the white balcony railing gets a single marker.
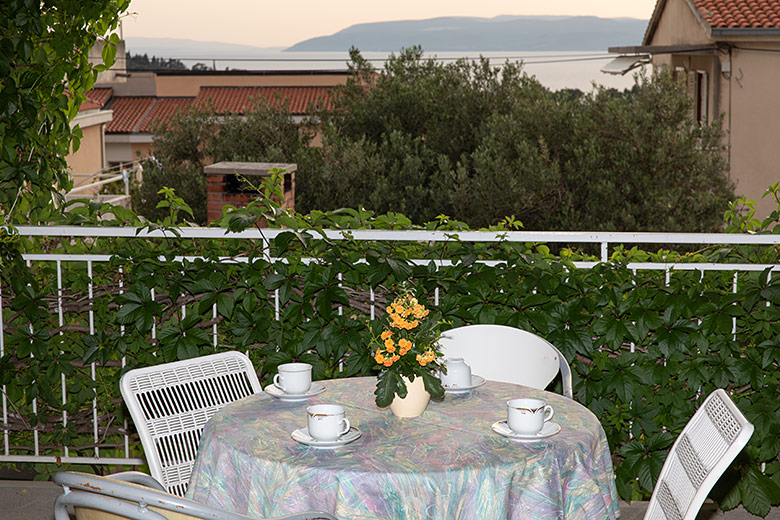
(603, 240)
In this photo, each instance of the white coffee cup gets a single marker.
(458, 373)
(527, 416)
(326, 422)
(293, 378)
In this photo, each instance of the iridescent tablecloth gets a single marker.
(446, 464)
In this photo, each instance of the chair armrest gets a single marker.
(101, 503)
(137, 477)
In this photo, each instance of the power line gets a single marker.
(530, 60)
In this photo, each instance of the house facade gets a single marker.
(729, 51)
(139, 100)
(90, 157)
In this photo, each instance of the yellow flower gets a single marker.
(390, 348)
(389, 343)
(379, 357)
(386, 334)
(404, 343)
(388, 362)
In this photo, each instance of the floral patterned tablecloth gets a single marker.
(446, 464)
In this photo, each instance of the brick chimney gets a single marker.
(224, 184)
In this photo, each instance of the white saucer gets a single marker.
(302, 435)
(275, 391)
(475, 382)
(549, 429)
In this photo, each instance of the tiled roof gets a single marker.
(99, 96)
(139, 113)
(162, 110)
(129, 113)
(89, 105)
(237, 100)
(732, 14)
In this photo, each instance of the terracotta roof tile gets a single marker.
(237, 100)
(99, 96)
(129, 112)
(757, 14)
(162, 110)
(89, 105)
(139, 113)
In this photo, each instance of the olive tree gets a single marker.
(481, 143)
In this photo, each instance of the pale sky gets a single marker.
(280, 23)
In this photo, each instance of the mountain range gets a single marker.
(501, 33)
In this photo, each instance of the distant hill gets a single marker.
(181, 48)
(502, 33)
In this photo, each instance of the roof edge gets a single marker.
(659, 8)
(665, 49)
(745, 31)
(653, 23)
(252, 72)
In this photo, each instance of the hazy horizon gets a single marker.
(247, 22)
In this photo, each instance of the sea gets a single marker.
(555, 70)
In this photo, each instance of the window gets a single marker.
(699, 88)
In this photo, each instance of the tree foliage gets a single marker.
(482, 143)
(198, 136)
(44, 72)
(144, 62)
(645, 345)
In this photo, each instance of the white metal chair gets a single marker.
(171, 402)
(508, 355)
(121, 496)
(708, 444)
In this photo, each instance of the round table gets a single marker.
(446, 464)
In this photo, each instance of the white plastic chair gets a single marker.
(508, 355)
(171, 402)
(708, 444)
(121, 497)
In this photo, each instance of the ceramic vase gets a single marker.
(415, 402)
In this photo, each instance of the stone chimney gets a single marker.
(224, 184)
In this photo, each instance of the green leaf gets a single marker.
(274, 281)
(225, 305)
(759, 492)
(389, 384)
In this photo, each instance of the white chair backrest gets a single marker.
(508, 355)
(708, 444)
(171, 402)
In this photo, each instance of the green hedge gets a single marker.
(644, 352)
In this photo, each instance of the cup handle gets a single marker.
(347, 426)
(277, 378)
(548, 413)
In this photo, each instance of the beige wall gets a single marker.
(119, 148)
(189, 85)
(752, 91)
(743, 90)
(679, 26)
(90, 157)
